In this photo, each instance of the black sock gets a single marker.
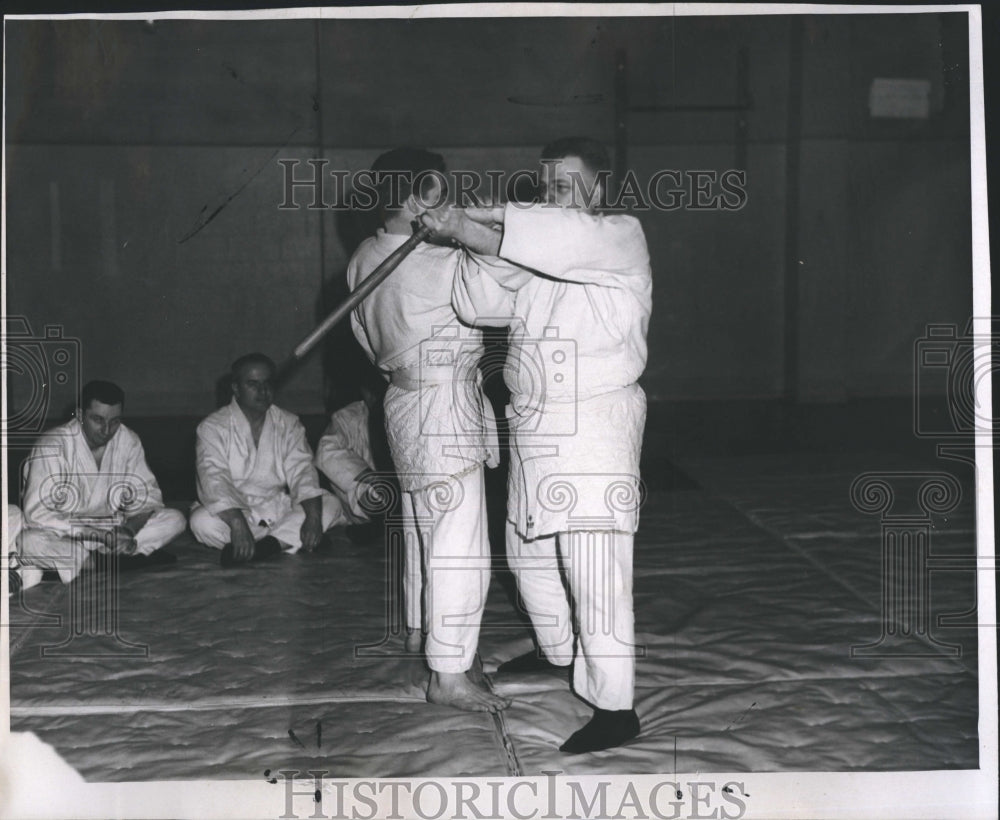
(605, 730)
(267, 548)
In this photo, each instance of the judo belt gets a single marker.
(411, 379)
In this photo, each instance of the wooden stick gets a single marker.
(360, 293)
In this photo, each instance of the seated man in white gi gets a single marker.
(434, 411)
(344, 454)
(258, 491)
(89, 490)
(578, 309)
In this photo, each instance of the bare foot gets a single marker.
(413, 640)
(455, 689)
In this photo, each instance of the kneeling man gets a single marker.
(258, 491)
(89, 489)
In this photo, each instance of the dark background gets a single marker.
(143, 187)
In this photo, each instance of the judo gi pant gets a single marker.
(30, 576)
(598, 568)
(212, 531)
(450, 519)
(49, 549)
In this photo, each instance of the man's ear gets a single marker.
(433, 196)
(598, 198)
(413, 205)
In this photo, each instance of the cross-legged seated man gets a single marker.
(89, 489)
(258, 491)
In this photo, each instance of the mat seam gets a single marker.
(791, 545)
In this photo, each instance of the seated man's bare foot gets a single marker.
(456, 690)
(413, 640)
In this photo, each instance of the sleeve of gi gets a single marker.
(575, 246)
(339, 463)
(52, 486)
(483, 290)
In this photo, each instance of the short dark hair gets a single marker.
(105, 392)
(410, 163)
(592, 153)
(246, 361)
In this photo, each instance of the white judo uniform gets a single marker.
(29, 576)
(435, 416)
(15, 522)
(268, 481)
(578, 306)
(344, 452)
(67, 496)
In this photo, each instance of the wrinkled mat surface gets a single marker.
(751, 588)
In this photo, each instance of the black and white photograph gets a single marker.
(497, 411)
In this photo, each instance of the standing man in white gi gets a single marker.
(258, 491)
(578, 307)
(89, 489)
(434, 416)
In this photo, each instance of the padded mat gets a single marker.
(754, 581)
